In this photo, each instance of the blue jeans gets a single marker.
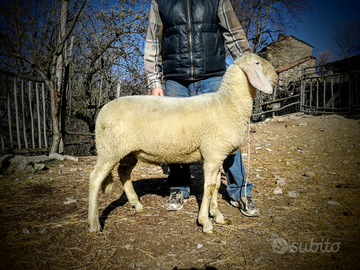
(179, 176)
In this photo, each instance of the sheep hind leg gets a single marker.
(124, 170)
(214, 207)
(97, 176)
(210, 175)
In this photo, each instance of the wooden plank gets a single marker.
(44, 113)
(9, 117)
(332, 99)
(38, 112)
(23, 114)
(31, 117)
(17, 115)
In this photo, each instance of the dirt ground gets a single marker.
(313, 224)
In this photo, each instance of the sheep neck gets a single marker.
(237, 92)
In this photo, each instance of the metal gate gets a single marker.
(332, 93)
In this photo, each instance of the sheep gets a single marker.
(164, 130)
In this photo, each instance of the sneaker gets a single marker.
(176, 200)
(246, 206)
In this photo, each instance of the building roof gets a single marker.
(281, 38)
(294, 64)
(344, 65)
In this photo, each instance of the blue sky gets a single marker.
(317, 25)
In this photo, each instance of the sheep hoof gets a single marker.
(222, 222)
(208, 229)
(140, 209)
(208, 232)
(93, 233)
(94, 227)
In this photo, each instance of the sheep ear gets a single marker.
(257, 78)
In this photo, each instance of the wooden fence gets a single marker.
(25, 121)
(332, 93)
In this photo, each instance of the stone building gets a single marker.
(289, 55)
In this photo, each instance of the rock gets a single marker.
(22, 164)
(199, 246)
(309, 174)
(333, 203)
(278, 191)
(76, 159)
(293, 194)
(56, 156)
(18, 163)
(70, 200)
(280, 181)
(38, 159)
(39, 166)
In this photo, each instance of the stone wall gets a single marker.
(288, 55)
(286, 50)
(293, 74)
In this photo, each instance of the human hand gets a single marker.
(157, 92)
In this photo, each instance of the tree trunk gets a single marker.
(56, 80)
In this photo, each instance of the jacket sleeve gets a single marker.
(232, 31)
(153, 46)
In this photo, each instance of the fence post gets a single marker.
(23, 113)
(351, 93)
(38, 112)
(44, 114)
(31, 117)
(9, 116)
(16, 114)
(302, 90)
(274, 97)
(118, 89)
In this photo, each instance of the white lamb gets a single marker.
(163, 130)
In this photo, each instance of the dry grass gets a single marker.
(318, 157)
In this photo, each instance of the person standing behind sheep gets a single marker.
(185, 46)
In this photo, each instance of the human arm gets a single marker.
(231, 30)
(152, 54)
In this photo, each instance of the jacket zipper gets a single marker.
(190, 41)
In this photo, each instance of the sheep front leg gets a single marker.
(124, 170)
(210, 178)
(214, 207)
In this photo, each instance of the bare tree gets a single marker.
(106, 44)
(35, 37)
(322, 58)
(264, 19)
(109, 50)
(346, 39)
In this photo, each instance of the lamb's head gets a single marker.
(260, 72)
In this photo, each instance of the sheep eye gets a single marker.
(257, 63)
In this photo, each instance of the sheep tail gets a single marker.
(107, 184)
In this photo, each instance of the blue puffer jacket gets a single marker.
(193, 47)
